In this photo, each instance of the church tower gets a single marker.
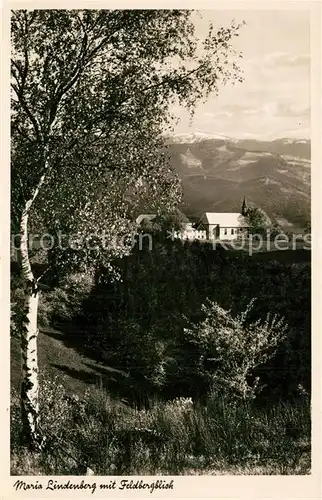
(244, 209)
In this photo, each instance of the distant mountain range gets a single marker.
(218, 171)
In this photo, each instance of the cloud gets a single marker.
(252, 111)
(286, 59)
(224, 113)
(227, 109)
(280, 109)
(293, 109)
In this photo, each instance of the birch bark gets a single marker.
(29, 336)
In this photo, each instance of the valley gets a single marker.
(216, 174)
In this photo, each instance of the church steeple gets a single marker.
(244, 209)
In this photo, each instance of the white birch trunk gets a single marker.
(29, 336)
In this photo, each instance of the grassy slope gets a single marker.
(53, 353)
(55, 358)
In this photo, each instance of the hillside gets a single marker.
(217, 172)
(58, 358)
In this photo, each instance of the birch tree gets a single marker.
(92, 93)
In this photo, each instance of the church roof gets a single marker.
(229, 219)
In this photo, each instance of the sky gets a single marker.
(274, 99)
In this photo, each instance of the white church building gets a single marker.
(212, 225)
(223, 226)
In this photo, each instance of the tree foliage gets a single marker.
(163, 226)
(258, 220)
(92, 92)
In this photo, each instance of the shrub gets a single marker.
(68, 297)
(228, 349)
(64, 301)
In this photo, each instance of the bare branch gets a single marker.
(23, 133)
(43, 274)
(24, 106)
(84, 58)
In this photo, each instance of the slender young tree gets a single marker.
(92, 92)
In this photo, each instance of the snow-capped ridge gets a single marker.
(194, 137)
